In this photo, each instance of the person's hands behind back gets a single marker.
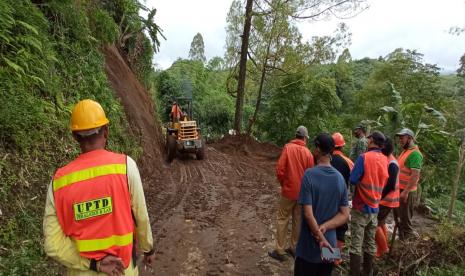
(111, 265)
(149, 260)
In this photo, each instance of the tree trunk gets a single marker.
(262, 81)
(455, 184)
(260, 89)
(242, 67)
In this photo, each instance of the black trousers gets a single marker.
(304, 268)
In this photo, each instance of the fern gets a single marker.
(27, 27)
(13, 65)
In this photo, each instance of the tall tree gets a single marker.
(461, 76)
(197, 50)
(266, 12)
(242, 67)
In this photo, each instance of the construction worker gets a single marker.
(95, 208)
(369, 176)
(410, 162)
(361, 145)
(176, 112)
(389, 199)
(323, 196)
(344, 165)
(294, 160)
(338, 160)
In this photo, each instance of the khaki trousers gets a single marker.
(286, 209)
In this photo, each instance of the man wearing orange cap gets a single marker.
(344, 165)
(95, 207)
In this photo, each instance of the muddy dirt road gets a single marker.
(216, 216)
(209, 217)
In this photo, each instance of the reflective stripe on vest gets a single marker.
(406, 173)
(348, 161)
(374, 178)
(93, 205)
(105, 243)
(88, 174)
(392, 198)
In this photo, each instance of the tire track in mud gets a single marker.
(215, 220)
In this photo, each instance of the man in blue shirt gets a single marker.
(323, 196)
(369, 176)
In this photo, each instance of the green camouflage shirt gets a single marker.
(360, 147)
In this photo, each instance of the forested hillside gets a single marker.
(51, 57)
(55, 53)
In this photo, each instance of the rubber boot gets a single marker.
(355, 261)
(367, 264)
(385, 230)
(340, 245)
(381, 242)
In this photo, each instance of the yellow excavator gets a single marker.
(182, 132)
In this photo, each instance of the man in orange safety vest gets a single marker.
(95, 208)
(410, 161)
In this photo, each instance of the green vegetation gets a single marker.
(50, 57)
(317, 83)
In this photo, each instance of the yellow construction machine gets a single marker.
(183, 136)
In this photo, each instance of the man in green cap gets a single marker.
(361, 145)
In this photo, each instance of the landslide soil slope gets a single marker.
(209, 217)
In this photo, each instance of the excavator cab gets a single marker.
(183, 135)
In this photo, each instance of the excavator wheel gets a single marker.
(200, 153)
(170, 148)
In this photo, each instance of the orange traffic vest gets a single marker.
(348, 161)
(406, 173)
(392, 198)
(176, 112)
(374, 178)
(93, 205)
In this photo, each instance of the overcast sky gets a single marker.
(387, 24)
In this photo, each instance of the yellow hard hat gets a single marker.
(87, 114)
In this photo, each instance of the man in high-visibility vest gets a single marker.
(369, 175)
(389, 199)
(95, 209)
(344, 165)
(410, 161)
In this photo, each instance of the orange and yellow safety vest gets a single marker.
(93, 205)
(392, 198)
(374, 178)
(406, 173)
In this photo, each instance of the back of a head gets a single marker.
(324, 142)
(301, 132)
(388, 148)
(338, 140)
(378, 138)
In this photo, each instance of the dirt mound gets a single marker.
(139, 110)
(245, 144)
